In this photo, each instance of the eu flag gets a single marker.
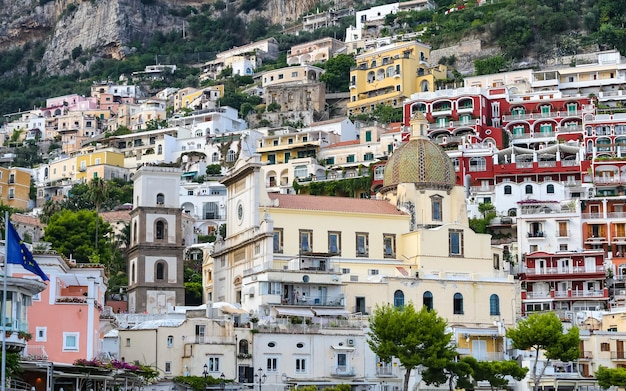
(17, 253)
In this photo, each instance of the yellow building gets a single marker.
(184, 97)
(15, 187)
(286, 254)
(389, 74)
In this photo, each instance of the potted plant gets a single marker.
(25, 335)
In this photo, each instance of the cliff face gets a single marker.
(106, 28)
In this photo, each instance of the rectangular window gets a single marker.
(306, 241)
(605, 347)
(389, 243)
(272, 364)
(214, 364)
(127, 342)
(350, 159)
(170, 341)
(455, 238)
(300, 365)
(278, 240)
(436, 208)
(372, 272)
(334, 242)
(41, 334)
(71, 342)
(345, 271)
(362, 244)
(563, 228)
(368, 136)
(168, 367)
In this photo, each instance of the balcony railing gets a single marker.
(618, 355)
(586, 355)
(570, 270)
(342, 370)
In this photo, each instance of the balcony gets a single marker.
(570, 270)
(384, 371)
(585, 355)
(538, 295)
(599, 239)
(342, 371)
(534, 235)
(619, 355)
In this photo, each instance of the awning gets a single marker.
(330, 312)
(190, 174)
(233, 310)
(304, 312)
(73, 280)
(347, 348)
(402, 271)
(229, 308)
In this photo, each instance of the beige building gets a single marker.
(181, 347)
(301, 74)
(15, 187)
(314, 52)
(290, 255)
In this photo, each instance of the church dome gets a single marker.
(422, 162)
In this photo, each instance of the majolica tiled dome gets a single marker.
(422, 162)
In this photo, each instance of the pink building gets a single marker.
(65, 319)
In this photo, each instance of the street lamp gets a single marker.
(205, 372)
(260, 377)
(222, 381)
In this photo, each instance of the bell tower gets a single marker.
(155, 260)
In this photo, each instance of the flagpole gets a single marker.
(4, 301)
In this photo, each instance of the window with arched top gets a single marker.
(160, 199)
(528, 189)
(458, 304)
(215, 157)
(508, 189)
(494, 305)
(231, 156)
(243, 346)
(159, 230)
(160, 271)
(427, 299)
(159, 149)
(550, 189)
(398, 299)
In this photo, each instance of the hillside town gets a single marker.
(320, 220)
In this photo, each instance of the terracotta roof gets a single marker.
(344, 143)
(26, 220)
(335, 204)
(116, 216)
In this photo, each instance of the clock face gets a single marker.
(240, 212)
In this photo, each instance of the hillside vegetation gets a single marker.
(529, 31)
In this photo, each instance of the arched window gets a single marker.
(458, 304)
(508, 189)
(550, 189)
(370, 77)
(160, 230)
(398, 299)
(390, 71)
(428, 300)
(160, 199)
(159, 149)
(215, 157)
(243, 346)
(373, 63)
(380, 74)
(494, 305)
(231, 156)
(160, 271)
(528, 189)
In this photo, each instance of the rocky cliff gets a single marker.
(77, 32)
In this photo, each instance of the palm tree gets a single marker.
(97, 195)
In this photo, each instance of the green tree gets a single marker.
(543, 333)
(495, 372)
(71, 234)
(609, 377)
(97, 194)
(415, 338)
(337, 75)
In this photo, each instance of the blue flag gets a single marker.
(17, 253)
